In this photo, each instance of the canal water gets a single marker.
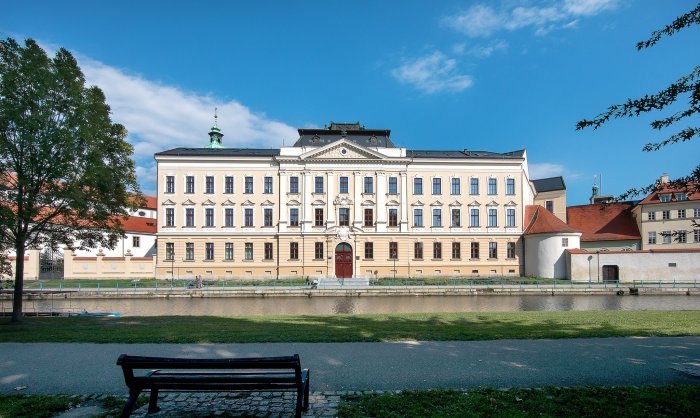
(327, 305)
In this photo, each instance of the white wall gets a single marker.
(544, 254)
(636, 265)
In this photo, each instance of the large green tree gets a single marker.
(66, 172)
(687, 86)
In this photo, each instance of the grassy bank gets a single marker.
(34, 406)
(594, 402)
(348, 328)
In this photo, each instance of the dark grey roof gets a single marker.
(463, 154)
(353, 132)
(223, 152)
(549, 184)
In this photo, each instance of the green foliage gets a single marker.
(65, 169)
(468, 326)
(34, 406)
(688, 85)
(593, 402)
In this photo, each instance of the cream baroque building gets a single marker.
(341, 201)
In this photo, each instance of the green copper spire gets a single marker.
(215, 134)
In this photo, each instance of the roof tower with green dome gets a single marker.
(215, 134)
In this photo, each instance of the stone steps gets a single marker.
(333, 282)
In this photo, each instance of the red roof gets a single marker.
(664, 250)
(542, 221)
(150, 202)
(692, 191)
(138, 224)
(604, 222)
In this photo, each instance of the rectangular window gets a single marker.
(564, 242)
(492, 218)
(510, 217)
(248, 185)
(169, 184)
(369, 185)
(666, 237)
(437, 185)
(696, 235)
(475, 250)
(369, 217)
(510, 250)
(228, 184)
(393, 250)
(437, 217)
(344, 217)
(209, 217)
(248, 251)
(651, 237)
(418, 186)
(651, 216)
(696, 212)
(318, 250)
(418, 217)
(293, 250)
(135, 241)
(493, 186)
(267, 185)
(267, 217)
(268, 251)
(418, 250)
(437, 250)
(549, 205)
(510, 187)
(169, 251)
(681, 213)
(473, 186)
(318, 184)
(209, 184)
(393, 217)
(680, 197)
(369, 250)
(474, 217)
(665, 198)
(294, 185)
(189, 217)
(189, 251)
(169, 216)
(209, 251)
(228, 251)
(228, 217)
(393, 185)
(666, 215)
(294, 217)
(455, 188)
(682, 237)
(189, 184)
(343, 185)
(318, 217)
(456, 251)
(493, 250)
(249, 217)
(456, 218)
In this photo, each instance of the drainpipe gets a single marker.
(598, 257)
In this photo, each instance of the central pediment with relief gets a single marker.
(342, 150)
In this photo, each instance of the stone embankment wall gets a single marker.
(102, 267)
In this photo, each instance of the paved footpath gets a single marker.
(341, 367)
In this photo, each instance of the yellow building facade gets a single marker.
(342, 201)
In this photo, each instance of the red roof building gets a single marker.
(609, 225)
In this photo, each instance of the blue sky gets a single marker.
(483, 75)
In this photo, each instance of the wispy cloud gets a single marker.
(544, 170)
(480, 51)
(432, 73)
(161, 117)
(483, 20)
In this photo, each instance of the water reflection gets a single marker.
(326, 305)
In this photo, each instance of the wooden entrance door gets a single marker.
(611, 273)
(343, 260)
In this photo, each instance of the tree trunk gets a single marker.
(19, 283)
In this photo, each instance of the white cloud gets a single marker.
(432, 74)
(544, 170)
(160, 117)
(483, 51)
(543, 16)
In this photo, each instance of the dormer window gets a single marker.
(665, 197)
(680, 197)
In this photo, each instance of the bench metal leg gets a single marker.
(306, 392)
(129, 406)
(153, 402)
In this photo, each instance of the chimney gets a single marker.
(664, 178)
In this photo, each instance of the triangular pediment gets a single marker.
(455, 203)
(492, 203)
(368, 202)
(342, 150)
(436, 203)
(475, 203)
(267, 203)
(318, 202)
(293, 202)
(511, 203)
(208, 203)
(393, 203)
(247, 203)
(418, 203)
(188, 202)
(228, 203)
(168, 202)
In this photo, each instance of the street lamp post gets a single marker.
(172, 267)
(393, 256)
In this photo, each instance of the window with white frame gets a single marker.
(651, 237)
(393, 185)
(667, 237)
(682, 237)
(666, 215)
(189, 251)
(510, 187)
(437, 217)
(228, 184)
(665, 198)
(437, 250)
(248, 185)
(510, 250)
(681, 213)
(493, 188)
(651, 216)
(474, 217)
(248, 254)
(228, 251)
(681, 197)
(393, 217)
(294, 217)
(565, 242)
(437, 185)
(510, 217)
(455, 188)
(135, 241)
(169, 251)
(343, 186)
(189, 184)
(267, 185)
(267, 217)
(696, 235)
(209, 251)
(209, 217)
(294, 185)
(493, 250)
(189, 216)
(318, 184)
(209, 184)
(369, 250)
(228, 217)
(344, 217)
(169, 216)
(418, 186)
(492, 218)
(169, 184)
(369, 185)
(696, 213)
(474, 186)
(293, 250)
(418, 217)
(456, 218)
(248, 217)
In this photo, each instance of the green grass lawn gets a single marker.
(34, 406)
(348, 328)
(593, 402)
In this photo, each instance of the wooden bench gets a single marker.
(216, 375)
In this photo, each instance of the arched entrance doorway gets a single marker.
(343, 260)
